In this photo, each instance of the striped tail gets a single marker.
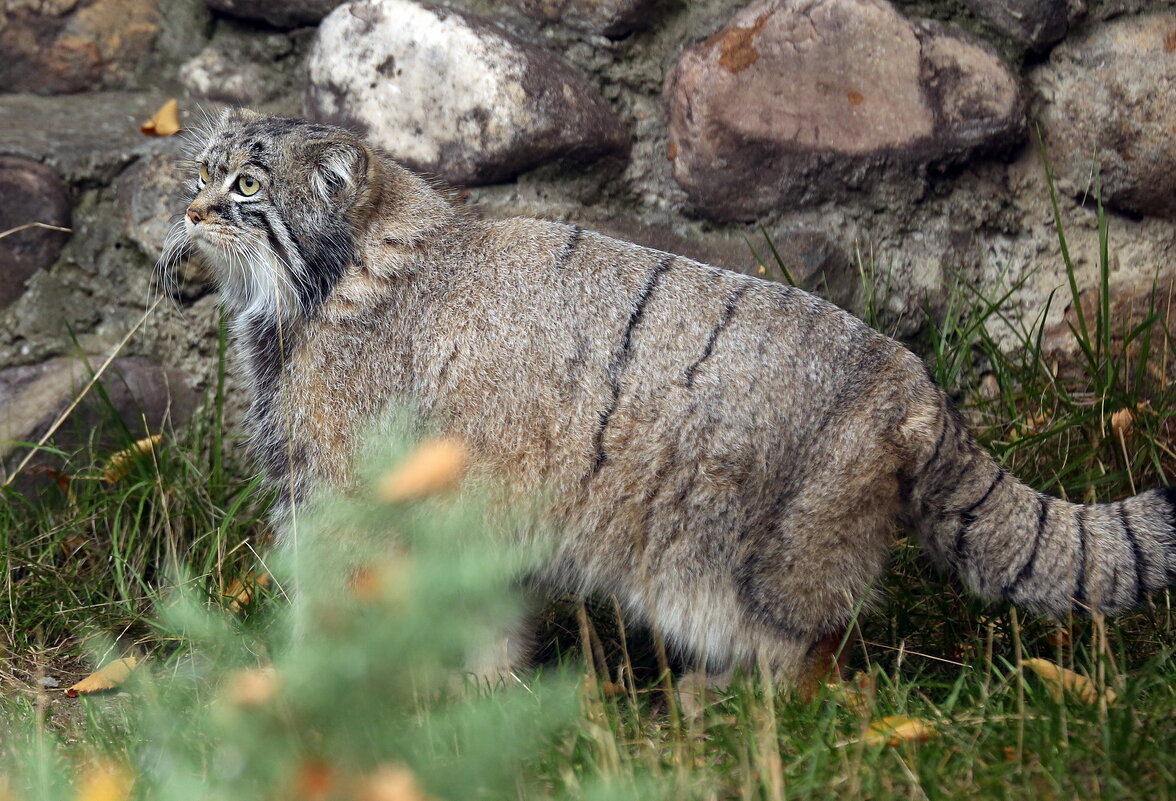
(1010, 542)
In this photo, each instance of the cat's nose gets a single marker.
(194, 216)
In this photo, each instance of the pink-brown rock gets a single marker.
(57, 46)
(29, 193)
(1108, 97)
(795, 103)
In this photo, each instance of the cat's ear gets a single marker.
(337, 168)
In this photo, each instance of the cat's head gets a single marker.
(269, 204)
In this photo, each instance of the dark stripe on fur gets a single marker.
(621, 356)
(1080, 580)
(938, 444)
(724, 320)
(1027, 570)
(275, 243)
(444, 371)
(968, 517)
(566, 255)
(1138, 562)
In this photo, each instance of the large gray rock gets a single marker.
(1108, 96)
(279, 13)
(451, 94)
(70, 46)
(32, 193)
(87, 138)
(771, 112)
(137, 392)
(1031, 23)
(605, 17)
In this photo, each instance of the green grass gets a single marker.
(363, 680)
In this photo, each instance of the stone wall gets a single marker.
(897, 136)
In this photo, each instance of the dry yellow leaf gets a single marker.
(895, 729)
(391, 783)
(120, 463)
(435, 466)
(1061, 681)
(241, 590)
(165, 122)
(251, 688)
(104, 782)
(1122, 422)
(108, 678)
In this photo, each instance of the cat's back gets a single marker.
(573, 347)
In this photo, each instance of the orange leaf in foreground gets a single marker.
(391, 783)
(895, 729)
(104, 782)
(108, 678)
(165, 122)
(1062, 682)
(251, 688)
(435, 466)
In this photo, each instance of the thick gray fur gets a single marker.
(728, 456)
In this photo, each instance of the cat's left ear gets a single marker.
(337, 168)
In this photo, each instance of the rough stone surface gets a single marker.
(33, 396)
(605, 17)
(212, 76)
(1031, 23)
(450, 94)
(1108, 96)
(279, 13)
(86, 138)
(769, 112)
(31, 192)
(71, 46)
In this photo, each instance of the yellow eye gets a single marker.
(204, 174)
(248, 185)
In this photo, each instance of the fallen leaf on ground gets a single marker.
(120, 464)
(1061, 681)
(435, 466)
(165, 122)
(104, 782)
(895, 729)
(242, 590)
(391, 783)
(108, 678)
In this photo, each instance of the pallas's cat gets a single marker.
(729, 457)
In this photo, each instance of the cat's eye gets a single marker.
(204, 174)
(248, 185)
